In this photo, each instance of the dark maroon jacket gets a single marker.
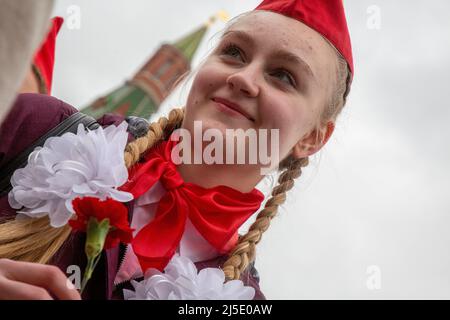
(31, 116)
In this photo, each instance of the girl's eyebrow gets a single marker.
(245, 37)
(293, 58)
(280, 54)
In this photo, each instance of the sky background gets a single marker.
(369, 218)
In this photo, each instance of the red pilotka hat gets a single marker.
(325, 16)
(44, 58)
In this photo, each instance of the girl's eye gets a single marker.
(284, 76)
(232, 51)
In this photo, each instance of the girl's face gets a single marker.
(277, 71)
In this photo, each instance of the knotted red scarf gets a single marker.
(216, 213)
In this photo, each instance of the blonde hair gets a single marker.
(34, 240)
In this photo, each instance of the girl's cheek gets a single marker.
(288, 119)
(278, 112)
(206, 82)
(204, 85)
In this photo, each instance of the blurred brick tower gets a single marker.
(142, 95)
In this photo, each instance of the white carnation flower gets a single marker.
(89, 163)
(182, 282)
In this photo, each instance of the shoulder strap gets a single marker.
(69, 124)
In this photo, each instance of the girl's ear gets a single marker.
(313, 141)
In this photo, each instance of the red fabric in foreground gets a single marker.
(44, 58)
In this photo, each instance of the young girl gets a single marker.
(287, 65)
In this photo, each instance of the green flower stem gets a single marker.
(96, 233)
(92, 262)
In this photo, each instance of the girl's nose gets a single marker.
(244, 82)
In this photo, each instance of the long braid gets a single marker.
(244, 252)
(158, 131)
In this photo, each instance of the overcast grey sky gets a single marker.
(377, 195)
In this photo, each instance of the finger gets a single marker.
(15, 290)
(41, 275)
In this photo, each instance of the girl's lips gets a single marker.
(231, 108)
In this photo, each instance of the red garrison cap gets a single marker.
(325, 16)
(44, 58)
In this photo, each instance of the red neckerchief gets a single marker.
(217, 213)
